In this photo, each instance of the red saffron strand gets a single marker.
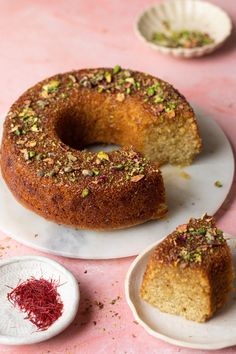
(39, 299)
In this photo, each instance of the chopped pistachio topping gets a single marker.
(50, 87)
(87, 173)
(27, 126)
(150, 91)
(108, 76)
(193, 242)
(158, 99)
(34, 128)
(42, 104)
(27, 113)
(116, 69)
(103, 156)
(31, 143)
(124, 83)
(71, 157)
(17, 131)
(100, 88)
(119, 167)
(85, 192)
(170, 106)
(95, 172)
(218, 184)
(182, 39)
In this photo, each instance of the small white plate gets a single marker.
(190, 192)
(219, 332)
(14, 328)
(193, 15)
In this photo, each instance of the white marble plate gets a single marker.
(219, 332)
(14, 328)
(185, 197)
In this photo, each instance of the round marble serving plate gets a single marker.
(190, 192)
(14, 328)
(181, 15)
(219, 332)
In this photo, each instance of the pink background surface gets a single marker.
(40, 38)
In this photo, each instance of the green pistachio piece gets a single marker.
(116, 69)
(85, 192)
(18, 132)
(158, 99)
(31, 154)
(100, 88)
(95, 172)
(150, 91)
(218, 184)
(71, 157)
(50, 87)
(130, 80)
(103, 156)
(41, 104)
(108, 76)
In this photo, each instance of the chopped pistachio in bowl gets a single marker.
(184, 28)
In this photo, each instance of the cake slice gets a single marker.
(190, 272)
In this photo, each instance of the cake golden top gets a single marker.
(159, 96)
(29, 124)
(192, 244)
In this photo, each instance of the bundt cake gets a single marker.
(47, 128)
(190, 272)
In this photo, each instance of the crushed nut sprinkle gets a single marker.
(85, 192)
(182, 39)
(116, 69)
(31, 138)
(124, 83)
(87, 173)
(218, 184)
(192, 243)
(103, 156)
(49, 88)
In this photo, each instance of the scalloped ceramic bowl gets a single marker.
(184, 15)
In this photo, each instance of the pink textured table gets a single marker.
(40, 38)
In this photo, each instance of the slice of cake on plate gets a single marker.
(190, 272)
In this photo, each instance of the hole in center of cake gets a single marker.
(80, 132)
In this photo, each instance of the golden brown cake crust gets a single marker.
(46, 126)
(197, 244)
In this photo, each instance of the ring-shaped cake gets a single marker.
(46, 166)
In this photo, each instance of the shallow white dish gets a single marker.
(184, 15)
(185, 197)
(14, 329)
(219, 332)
